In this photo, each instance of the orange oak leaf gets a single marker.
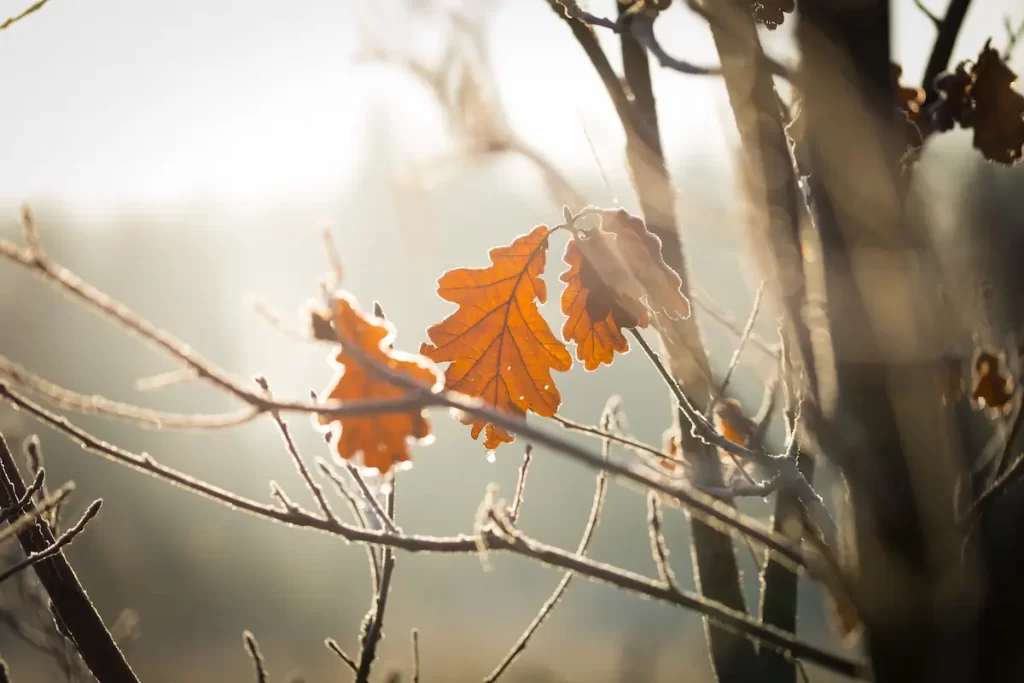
(498, 345)
(595, 317)
(382, 439)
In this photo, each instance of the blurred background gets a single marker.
(185, 157)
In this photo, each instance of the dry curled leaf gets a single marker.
(671, 446)
(626, 257)
(771, 13)
(595, 317)
(732, 423)
(910, 99)
(980, 95)
(993, 385)
(998, 109)
(381, 439)
(498, 345)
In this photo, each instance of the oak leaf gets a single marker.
(595, 317)
(498, 345)
(382, 439)
(626, 257)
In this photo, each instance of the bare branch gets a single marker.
(360, 516)
(253, 648)
(297, 460)
(373, 630)
(785, 465)
(744, 337)
(415, 656)
(700, 504)
(517, 503)
(936, 22)
(34, 7)
(617, 438)
(333, 646)
(658, 549)
(600, 489)
(69, 601)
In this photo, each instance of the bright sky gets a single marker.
(112, 100)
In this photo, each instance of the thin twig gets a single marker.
(360, 516)
(253, 648)
(936, 22)
(371, 500)
(1013, 37)
(517, 503)
(34, 7)
(164, 380)
(744, 337)
(375, 623)
(415, 656)
(55, 547)
(942, 50)
(715, 311)
(333, 646)
(297, 459)
(600, 488)
(617, 438)
(33, 488)
(333, 257)
(92, 404)
(40, 509)
(658, 549)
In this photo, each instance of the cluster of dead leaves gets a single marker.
(980, 96)
(497, 345)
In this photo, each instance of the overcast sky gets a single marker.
(112, 100)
